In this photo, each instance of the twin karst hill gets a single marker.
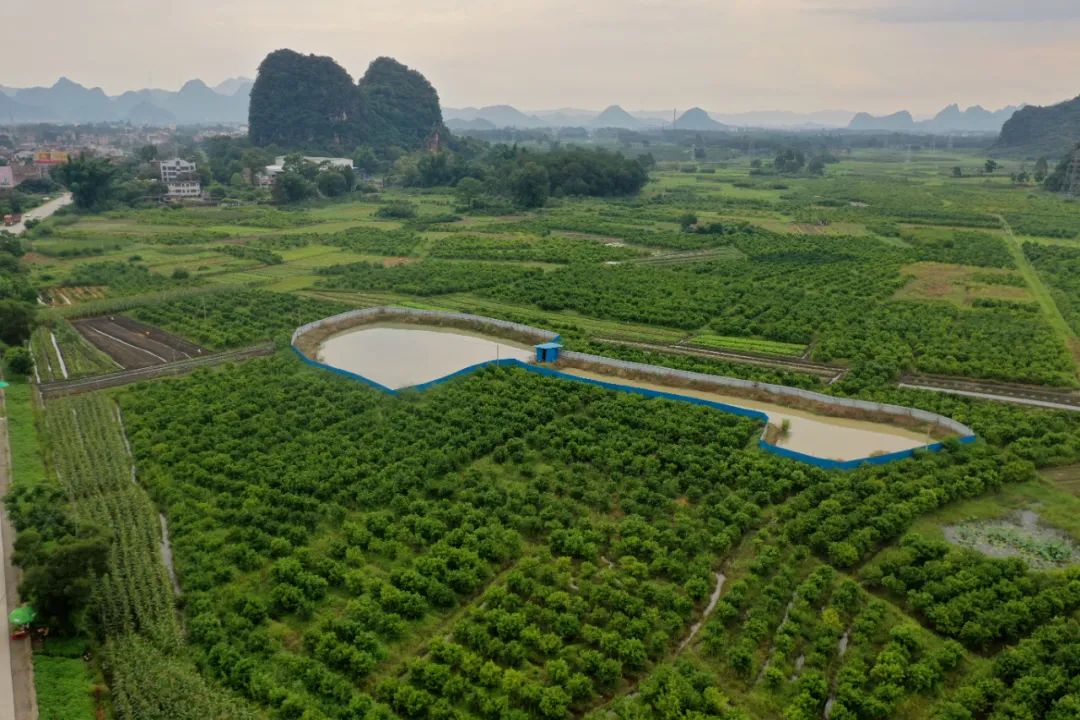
(311, 102)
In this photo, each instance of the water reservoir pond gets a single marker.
(400, 355)
(823, 436)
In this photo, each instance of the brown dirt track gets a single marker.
(133, 344)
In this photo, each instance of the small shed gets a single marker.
(548, 352)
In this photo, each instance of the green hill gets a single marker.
(1050, 130)
(397, 106)
(310, 102)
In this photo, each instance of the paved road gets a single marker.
(39, 213)
(17, 699)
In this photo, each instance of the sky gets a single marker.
(724, 55)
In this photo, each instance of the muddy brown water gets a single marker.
(818, 435)
(399, 355)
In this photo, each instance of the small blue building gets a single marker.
(548, 352)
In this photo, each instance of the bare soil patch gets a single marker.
(72, 295)
(1067, 478)
(807, 228)
(961, 284)
(133, 344)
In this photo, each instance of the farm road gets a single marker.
(39, 213)
(17, 698)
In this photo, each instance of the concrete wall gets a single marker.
(375, 314)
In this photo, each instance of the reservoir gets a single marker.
(400, 355)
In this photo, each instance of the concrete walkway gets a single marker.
(39, 213)
(17, 698)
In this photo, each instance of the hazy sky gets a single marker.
(724, 55)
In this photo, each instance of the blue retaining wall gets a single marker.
(823, 463)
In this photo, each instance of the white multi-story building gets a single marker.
(184, 188)
(266, 177)
(180, 178)
(176, 169)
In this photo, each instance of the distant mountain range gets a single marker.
(1052, 130)
(614, 116)
(69, 102)
(195, 102)
(951, 119)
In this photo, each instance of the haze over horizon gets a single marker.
(794, 55)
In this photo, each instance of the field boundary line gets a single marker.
(1041, 292)
(127, 377)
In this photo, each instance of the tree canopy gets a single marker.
(89, 179)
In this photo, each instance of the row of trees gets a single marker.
(420, 528)
(486, 176)
(302, 179)
(979, 600)
(1034, 679)
(800, 289)
(18, 299)
(399, 509)
(792, 161)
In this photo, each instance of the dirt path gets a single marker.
(772, 643)
(996, 397)
(632, 690)
(166, 554)
(17, 698)
(1041, 291)
(830, 373)
(841, 648)
(59, 355)
(696, 627)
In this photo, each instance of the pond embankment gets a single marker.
(395, 348)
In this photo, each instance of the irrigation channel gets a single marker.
(393, 349)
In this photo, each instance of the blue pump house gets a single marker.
(548, 352)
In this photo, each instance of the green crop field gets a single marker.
(769, 347)
(508, 545)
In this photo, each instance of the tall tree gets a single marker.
(530, 185)
(89, 179)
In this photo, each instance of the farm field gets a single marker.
(271, 540)
(131, 344)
